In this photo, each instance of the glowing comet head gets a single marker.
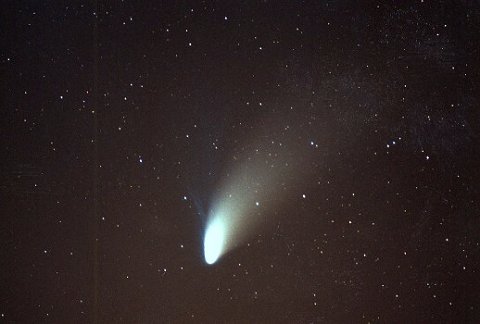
(214, 240)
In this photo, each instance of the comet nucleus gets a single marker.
(214, 240)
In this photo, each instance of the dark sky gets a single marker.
(119, 119)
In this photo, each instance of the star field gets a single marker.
(121, 123)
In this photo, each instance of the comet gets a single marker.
(261, 173)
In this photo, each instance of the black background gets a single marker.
(119, 118)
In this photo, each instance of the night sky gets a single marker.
(122, 120)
